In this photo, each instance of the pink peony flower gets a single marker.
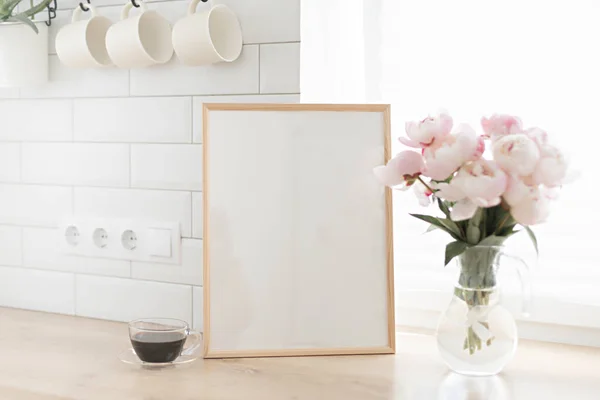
(472, 146)
(423, 194)
(426, 132)
(449, 191)
(533, 208)
(482, 181)
(539, 136)
(517, 154)
(477, 184)
(516, 190)
(444, 157)
(499, 125)
(403, 169)
(462, 210)
(551, 170)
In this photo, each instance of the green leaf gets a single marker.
(36, 9)
(8, 7)
(533, 239)
(442, 205)
(454, 249)
(444, 224)
(431, 228)
(22, 18)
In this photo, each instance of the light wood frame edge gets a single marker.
(382, 108)
(302, 352)
(205, 236)
(295, 107)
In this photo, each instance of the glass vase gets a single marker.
(476, 335)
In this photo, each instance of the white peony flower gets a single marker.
(401, 170)
(499, 125)
(482, 181)
(552, 167)
(477, 184)
(423, 194)
(426, 132)
(517, 154)
(533, 208)
(443, 158)
(516, 190)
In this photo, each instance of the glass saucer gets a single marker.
(129, 357)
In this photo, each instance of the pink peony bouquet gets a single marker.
(483, 200)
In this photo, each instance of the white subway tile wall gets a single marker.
(122, 299)
(9, 93)
(280, 68)
(114, 143)
(197, 215)
(34, 205)
(11, 248)
(76, 164)
(166, 166)
(36, 120)
(10, 162)
(198, 298)
(37, 290)
(133, 120)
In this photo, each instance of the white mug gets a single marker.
(208, 37)
(82, 43)
(140, 41)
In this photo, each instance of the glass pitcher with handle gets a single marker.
(476, 335)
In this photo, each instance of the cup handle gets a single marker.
(127, 7)
(193, 6)
(524, 274)
(77, 12)
(196, 339)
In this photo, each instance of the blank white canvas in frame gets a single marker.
(297, 232)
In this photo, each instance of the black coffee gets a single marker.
(158, 347)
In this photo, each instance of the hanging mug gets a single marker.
(208, 37)
(139, 41)
(82, 43)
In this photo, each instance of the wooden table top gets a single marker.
(56, 357)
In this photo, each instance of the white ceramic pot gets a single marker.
(23, 55)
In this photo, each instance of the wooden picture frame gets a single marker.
(379, 113)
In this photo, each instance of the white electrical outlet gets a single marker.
(147, 241)
(71, 235)
(129, 240)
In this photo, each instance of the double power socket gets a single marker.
(146, 241)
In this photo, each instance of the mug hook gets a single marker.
(136, 5)
(84, 8)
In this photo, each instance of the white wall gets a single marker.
(120, 143)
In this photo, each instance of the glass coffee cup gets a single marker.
(162, 340)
